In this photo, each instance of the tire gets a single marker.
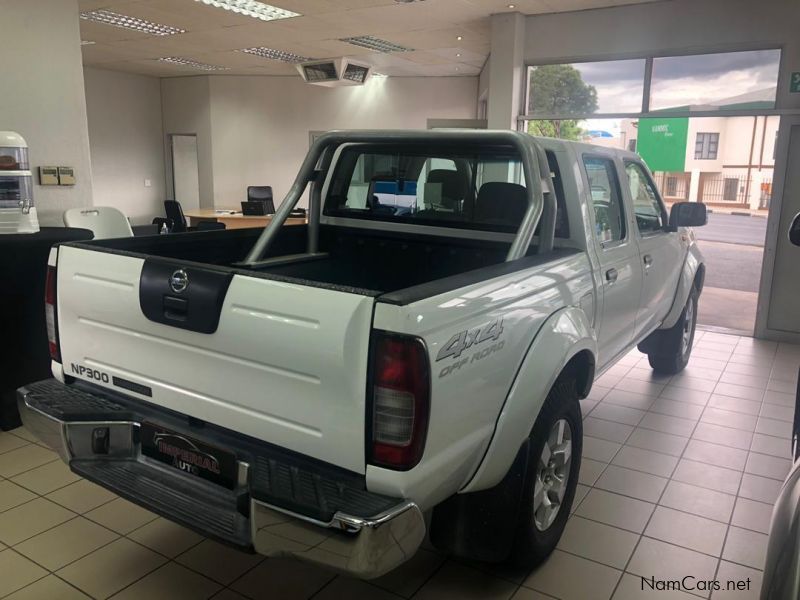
(671, 351)
(538, 530)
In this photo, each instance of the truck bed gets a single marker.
(370, 263)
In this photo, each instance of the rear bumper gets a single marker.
(269, 512)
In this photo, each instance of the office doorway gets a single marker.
(185, 171)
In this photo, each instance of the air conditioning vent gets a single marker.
(334, 72)
(321, 72)
(356, 73)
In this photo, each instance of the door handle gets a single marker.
(611, 275)
(648, 260)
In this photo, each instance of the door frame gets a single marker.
(773, 233)
(171, 161)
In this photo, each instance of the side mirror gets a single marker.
(794, 231)
(688, 214)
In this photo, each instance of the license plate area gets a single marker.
(189, 455)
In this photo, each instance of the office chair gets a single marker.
(175, 214)
(262, 193)
(103, 221)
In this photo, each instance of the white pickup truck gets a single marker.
(408, 363)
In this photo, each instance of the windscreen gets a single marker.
(446, 188)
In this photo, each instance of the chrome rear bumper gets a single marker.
(365, 547)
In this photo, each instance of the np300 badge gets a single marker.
(179, 281)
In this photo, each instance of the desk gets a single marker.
(236, 220)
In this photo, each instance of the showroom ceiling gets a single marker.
(422, 37)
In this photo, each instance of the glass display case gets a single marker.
(17, 211)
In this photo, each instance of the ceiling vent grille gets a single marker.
(334, 72)
(377, 44)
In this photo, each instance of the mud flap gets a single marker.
(482, 525)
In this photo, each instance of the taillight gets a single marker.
(400, 401)
(50, 313)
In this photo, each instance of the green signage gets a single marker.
(794, 83)
(661, 143)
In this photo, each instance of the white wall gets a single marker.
(186, 108)
(260, 125)
(42, 96)
(126, 142)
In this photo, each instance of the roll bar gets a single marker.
(541, 197)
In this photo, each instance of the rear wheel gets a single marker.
(554, 461)
(671, 351)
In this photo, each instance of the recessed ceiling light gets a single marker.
(87, 43)
(512, 6)
(458, 54)
(117, 20)
(460, 37)
(186, 62)
(273, 54)
(373, 43)
(252, 8)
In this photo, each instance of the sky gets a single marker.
(678, 81)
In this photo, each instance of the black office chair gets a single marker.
(262, 193)
(150, 229)
(175, 214)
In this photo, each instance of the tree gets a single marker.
(555, 90)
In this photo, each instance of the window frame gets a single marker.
(705, 142)
(659, 200)
(646, 110)
(623, 209)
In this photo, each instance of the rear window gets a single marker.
(467, 190)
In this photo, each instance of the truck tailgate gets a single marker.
(287, 363)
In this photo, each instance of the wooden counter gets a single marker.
(235, 220)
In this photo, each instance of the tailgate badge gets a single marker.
(179, 281)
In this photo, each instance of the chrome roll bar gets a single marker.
(541, 198)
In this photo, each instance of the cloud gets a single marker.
(761, 63)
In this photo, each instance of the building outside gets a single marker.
(722, 161)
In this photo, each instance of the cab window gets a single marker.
(650, 213)
(609, 215)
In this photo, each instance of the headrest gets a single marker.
(454, 187)
(501, 201)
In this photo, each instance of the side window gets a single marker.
(609, 215)
(646, 205)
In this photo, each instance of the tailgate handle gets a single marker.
(184, 296)
(175, 308)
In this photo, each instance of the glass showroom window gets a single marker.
(724, 81)
(706, 145)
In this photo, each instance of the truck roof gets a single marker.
(580, 147)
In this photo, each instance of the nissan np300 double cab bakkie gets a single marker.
(408, 363)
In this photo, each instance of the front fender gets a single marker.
(564, 334)
(691, 266)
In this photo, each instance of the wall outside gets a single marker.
(126, 142)
(43, 96)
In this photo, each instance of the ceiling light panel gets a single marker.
(273, 54)
(373, 43)
(107, 17)
(186, 62)
(252, 8)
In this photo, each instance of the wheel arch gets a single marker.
(564, 346)
(692, 275)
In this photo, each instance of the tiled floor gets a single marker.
(678, 479)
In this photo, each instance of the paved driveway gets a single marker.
(733, 248)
